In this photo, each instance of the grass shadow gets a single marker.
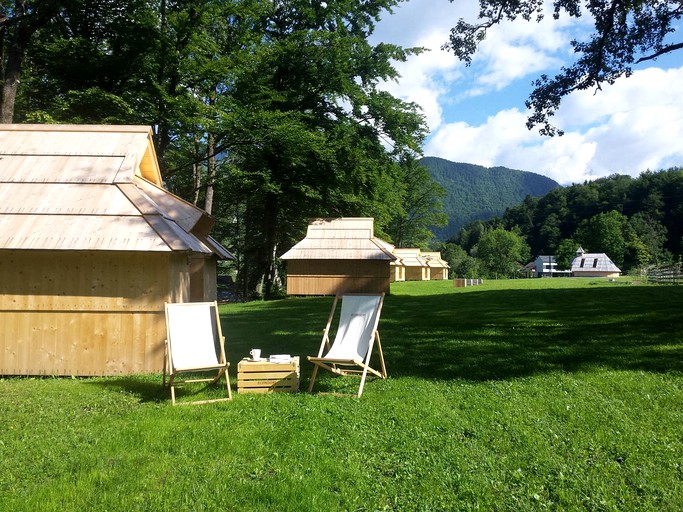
(487, 334)
(501, 334)
(147, 388)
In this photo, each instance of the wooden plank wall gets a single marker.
(86, 313)
(331, 277)
(203, 278)
(415, 274)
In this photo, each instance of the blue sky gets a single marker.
(477, 115)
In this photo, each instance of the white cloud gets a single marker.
(627, 128)
(518, 49)
(634, 125)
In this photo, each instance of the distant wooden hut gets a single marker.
(438, 268)
(397, 271)
(339, 256)
(416, 267)
(91, 246)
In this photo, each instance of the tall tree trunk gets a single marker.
(211, 152)
(210, 173)
(270, 229)
(196, 169)
(19, 29)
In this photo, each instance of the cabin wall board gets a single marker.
(203, 278)
(439, 274)
(331, 277)
(415, 274)
(86, 313)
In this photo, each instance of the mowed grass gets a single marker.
(561, 394)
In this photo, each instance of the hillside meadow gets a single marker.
(560, 394)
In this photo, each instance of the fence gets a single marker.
(669, 274)
(462, 283)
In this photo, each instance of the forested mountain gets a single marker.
(475, 193)
(636, 221)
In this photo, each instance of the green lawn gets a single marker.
(562, 394)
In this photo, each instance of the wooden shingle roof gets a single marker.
(91, 187)
(434, 260)
(411, 257)
(346, 238)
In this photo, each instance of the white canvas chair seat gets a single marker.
(354, 340)
(194, 343)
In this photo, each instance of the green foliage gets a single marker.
(475, 193)
(624, 33)
(604, 232)
(462, 264)
(565, 253)
(264, 112)
(487, 406)
(501, 253)
(636, 221)
(420, 208)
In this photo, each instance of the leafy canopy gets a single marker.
(625, 33)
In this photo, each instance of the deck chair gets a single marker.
(194, 343)
(356, 334)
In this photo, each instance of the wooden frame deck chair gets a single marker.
(194, 343)
(355, 338)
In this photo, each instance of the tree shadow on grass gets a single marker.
(514, 333)
(489, 334)
(147, 388)
(472, 335)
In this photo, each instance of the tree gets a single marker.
(326, 140)
(421, 207)
(265, 113)
(652, 234)
(19, 21)
(605, 233)
(565, 253)
(501, 252)
(462, 264)
(625, 33)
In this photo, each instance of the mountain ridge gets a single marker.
(475, 192)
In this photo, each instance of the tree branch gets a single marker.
(663, 51)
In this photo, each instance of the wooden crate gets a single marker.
(266, 377)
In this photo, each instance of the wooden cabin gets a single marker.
(91, 246)
(339, 256)
(397, 272)
(416, 267)
(438, 268)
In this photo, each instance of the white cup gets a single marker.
(255, 353)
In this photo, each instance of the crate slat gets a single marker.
(265, 377)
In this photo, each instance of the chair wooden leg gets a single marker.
(313, 375)
(172, 385)
(381, 357)
(362, 381)
(166, 367)
(227, 382)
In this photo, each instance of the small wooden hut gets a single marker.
(438, 268)
(397, 271)
(339, 256)
(91, 246)
(416, 267)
